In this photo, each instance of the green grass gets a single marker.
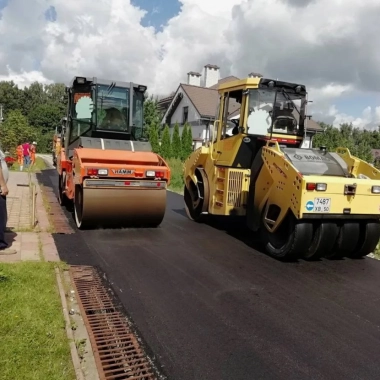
(34, 344)
(176, 182)
(38, 166)
(377, 252)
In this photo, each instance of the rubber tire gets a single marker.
(193, 213)
(368, 240)
(62, 198)
(346, 242)
(300, 235)
(324, 237)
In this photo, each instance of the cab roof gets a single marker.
(247, 83)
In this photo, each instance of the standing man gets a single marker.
(4, 175)
(26, 152)
(33, 152)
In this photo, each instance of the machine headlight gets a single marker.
(102, 171)
(150, 173)
(375, 189)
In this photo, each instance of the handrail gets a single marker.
(216, 122)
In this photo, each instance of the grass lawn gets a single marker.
(34, 344)
(38, 166)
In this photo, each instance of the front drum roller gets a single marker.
(290, 240)
(196, 198)
(95, 207)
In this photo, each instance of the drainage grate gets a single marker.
(118, 354)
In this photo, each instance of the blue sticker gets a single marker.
(309, 206)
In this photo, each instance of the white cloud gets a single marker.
(329, 45)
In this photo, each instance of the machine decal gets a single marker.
(310, 157)
(310, 206)
(123, 171)
(79, 95)
(280, 170)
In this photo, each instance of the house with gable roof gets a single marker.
(196, 102)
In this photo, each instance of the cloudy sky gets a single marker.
(328, 45)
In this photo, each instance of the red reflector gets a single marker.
(139, 174)
(311, 186)
(127, 183)
(160, 174)
(92, 171)
(158, 184)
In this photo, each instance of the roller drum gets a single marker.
(119, 207)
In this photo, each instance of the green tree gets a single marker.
(188, 142)
(34, 95)
(14, 131)
(184, 154)
(359, 142)
(176, 143)
(46, 116)
(166, 150)
(151, 115)
(153, 139)
(11, 97)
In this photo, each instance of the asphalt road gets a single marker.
(211, 307)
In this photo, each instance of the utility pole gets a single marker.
(1, 113)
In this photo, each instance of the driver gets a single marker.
(113, 119)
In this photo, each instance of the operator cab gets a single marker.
(103, 110)
(255, 110)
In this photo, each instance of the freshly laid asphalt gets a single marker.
(210, 306)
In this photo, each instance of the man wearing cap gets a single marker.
(33, 153)
(4, 174)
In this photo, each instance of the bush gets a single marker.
(176, 167)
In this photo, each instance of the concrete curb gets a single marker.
(70, 335)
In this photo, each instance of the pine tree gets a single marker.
(183, 143)
(153, 138)
(176, 143)
(165, 144)
(189, 142)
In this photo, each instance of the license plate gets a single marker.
(322, 204)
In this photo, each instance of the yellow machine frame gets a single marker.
(349, 207)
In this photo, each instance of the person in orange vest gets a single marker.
(20, 156)
(33, 153)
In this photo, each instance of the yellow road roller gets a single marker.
(304, 202)
(106, 168)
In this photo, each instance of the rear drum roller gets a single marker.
(290, 240)
(346, 242)
(368, 240)
(325, 235)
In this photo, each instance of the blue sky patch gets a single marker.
(356, 103)
(159, 11)
(50, 14)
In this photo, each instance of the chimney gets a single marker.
(194, 78)
(211, 75)
(254, 75)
